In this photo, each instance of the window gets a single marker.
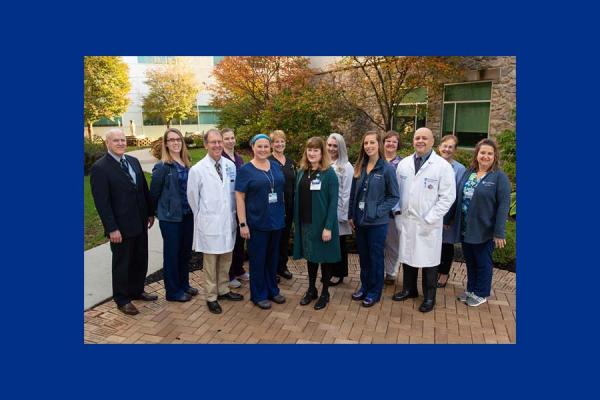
(467, 111)
(155, 59)
(116, 121)
(411, 114)
(208, 115)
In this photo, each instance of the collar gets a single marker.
(425, 157)
(117, 158)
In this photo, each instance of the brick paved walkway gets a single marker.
(343, 321)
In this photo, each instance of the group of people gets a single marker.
(405, 212)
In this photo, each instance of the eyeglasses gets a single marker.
(173, 140)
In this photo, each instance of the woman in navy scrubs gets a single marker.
(259, 190)
(373, 195)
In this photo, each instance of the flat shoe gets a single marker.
(146, 297)
(182, 299)
(369, 302)
(264, 304)
(230, 296)
(279, 299)
(128, 309)
(322, 302)
(192, 291)
(214, 307)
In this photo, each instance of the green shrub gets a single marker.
(507, 257)
(92, 151)
(463, 156)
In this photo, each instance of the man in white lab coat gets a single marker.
(427, 191)
(211, 195)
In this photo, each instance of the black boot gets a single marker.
(322, 302)
(309, 296)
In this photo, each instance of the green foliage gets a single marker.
(92, 151)
(508, 255)
(465, 157)
(105, 88)
(513, 205)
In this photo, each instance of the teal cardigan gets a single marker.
(324, 216)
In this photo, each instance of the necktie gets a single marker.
(418, 162)
(218, 168)
(125, 168)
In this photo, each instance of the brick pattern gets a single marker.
(343, 321)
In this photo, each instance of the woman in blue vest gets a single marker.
(373, 195)
(168, 190)
(315, 219)
(259, 187)
(480, 213)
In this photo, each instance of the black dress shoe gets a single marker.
(146, 297)
(339, 281)
(128, 309)
(360, 295)
(403, 295)
(309, 296)
(182, 299)
(214, 307)
(427, 306)
(279, 299)
(192, 291)
(322, 302)
(286, 274)
(369, 302)
(230, 296)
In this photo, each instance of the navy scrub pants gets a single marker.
(370, 240)
(177, 250)
(263, 252)
(480, 267)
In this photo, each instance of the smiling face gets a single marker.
(486, 157)
(447, 149)
(423, 141)
(371, 145)
(391, 145)
(261, 149)
(278, 145)
(214, 145)
(332, 149)
(174, 143)
(229, 141)
(116, 143)
(313, 155)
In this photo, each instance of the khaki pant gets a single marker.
(216, 272)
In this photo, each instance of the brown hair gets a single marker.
(450, 137)
(363, 158)
(390, 134)
(315, 142)
(492, 144)
(183, 154)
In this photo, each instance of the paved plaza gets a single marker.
(342, 321)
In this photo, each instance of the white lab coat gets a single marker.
(424, 200)
(213, 204)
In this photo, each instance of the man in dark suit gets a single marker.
(123, 202)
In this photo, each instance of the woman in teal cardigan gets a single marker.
(315, 219)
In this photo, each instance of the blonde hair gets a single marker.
(277, 134)
(183, 154)
(315, 142)
(363, 158)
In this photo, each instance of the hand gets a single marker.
(115, 236)
(150, 222)
(245, 232)
(351, 223)
(500, 243)
(397, 222)
(326, 236)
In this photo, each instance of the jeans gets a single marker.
(480, 267)
(370, 240)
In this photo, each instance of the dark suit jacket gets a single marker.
(120, 204)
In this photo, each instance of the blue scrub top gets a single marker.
(256, 184)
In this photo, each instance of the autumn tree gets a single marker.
(374, 85)
(173, 89)
(105, 89)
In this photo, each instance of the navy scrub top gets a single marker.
(256, 184)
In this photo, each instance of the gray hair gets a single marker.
(108, 135)
(208, 132)
(342, 151)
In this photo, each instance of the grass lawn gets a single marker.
(93, 230)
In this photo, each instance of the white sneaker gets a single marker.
(475, 301)
(234, 284)
(244, 277)
(464, 297)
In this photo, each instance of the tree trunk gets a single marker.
(89, 130)
(168, 123)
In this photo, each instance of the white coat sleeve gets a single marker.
(193, 190)
(446, 195)
(344, 193)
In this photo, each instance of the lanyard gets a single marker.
(271, 179)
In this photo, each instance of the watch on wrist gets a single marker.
(242, 224)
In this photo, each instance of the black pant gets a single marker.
(447, 258)
(340, 268)
(237, 257)
(429, 280)
(313, 268)
(129, 268)
(284, 250)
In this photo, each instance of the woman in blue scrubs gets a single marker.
(259, 188)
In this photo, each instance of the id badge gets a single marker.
(315, 184)
(361, 205)
(272, 197)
